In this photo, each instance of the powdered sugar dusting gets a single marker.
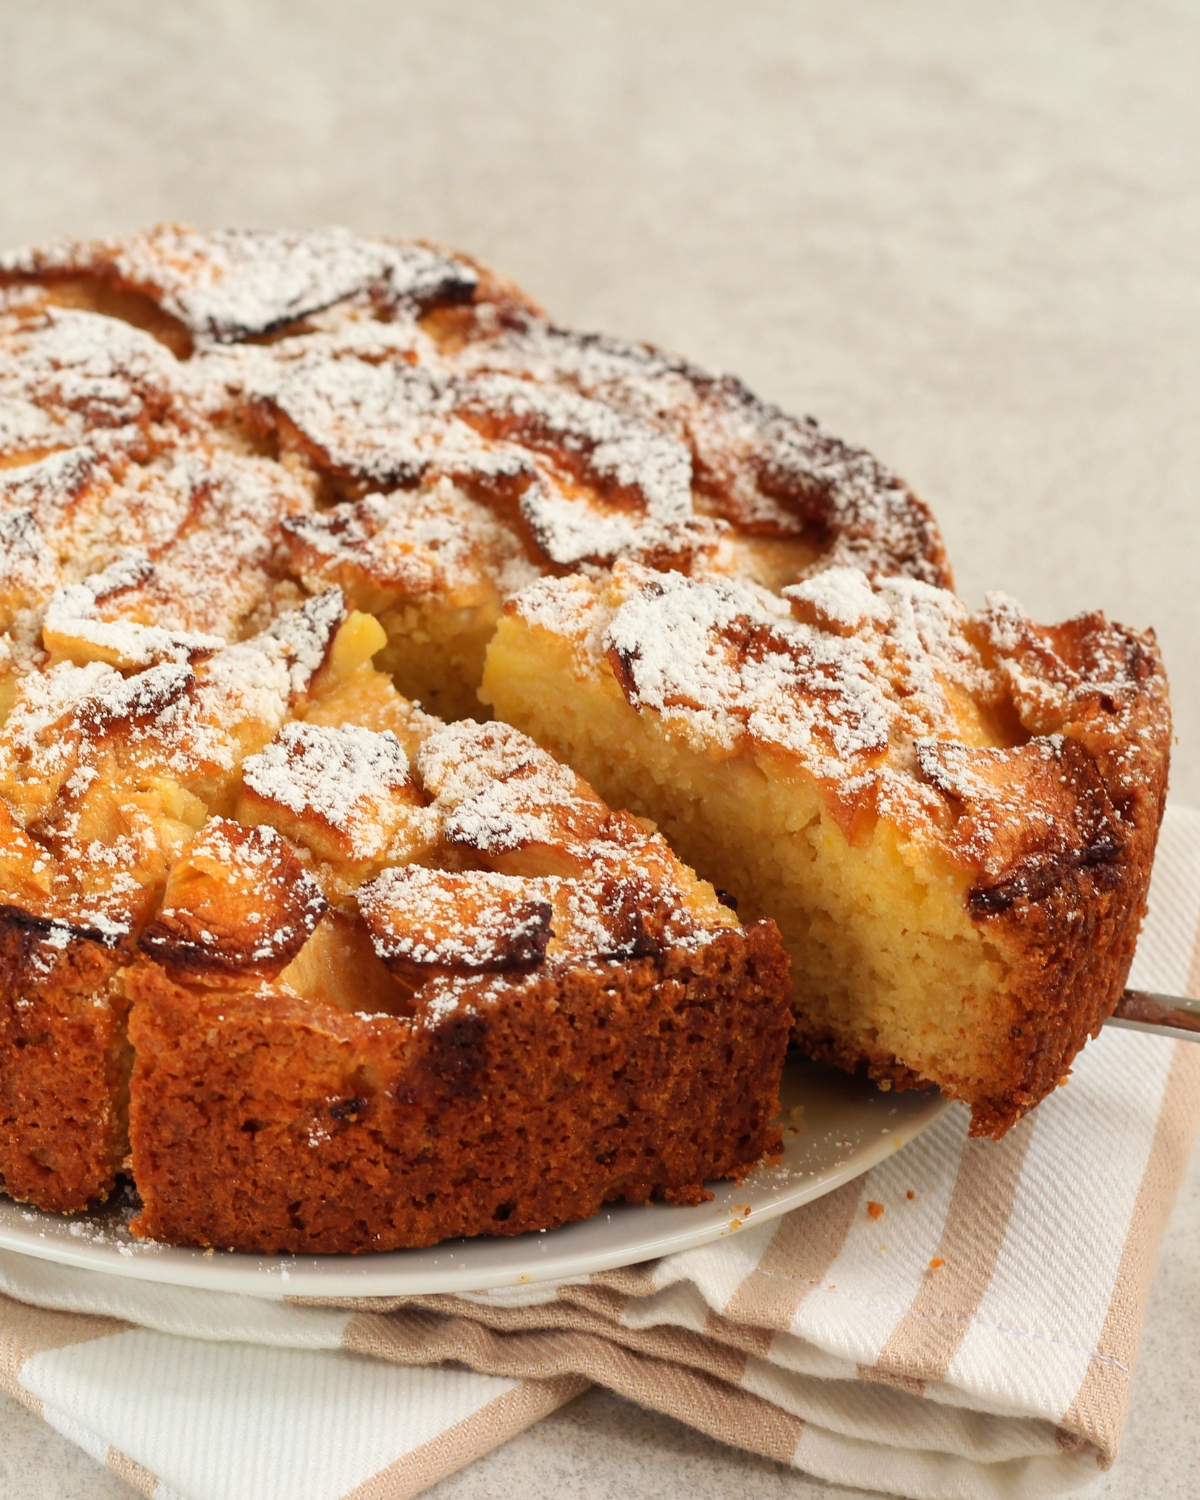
(71, 622)
(434, 542)
(165, 497)
(307, 633)
(711, 657)
(767, 472)
(888, 691)
(185, 719)
(220, 867)
(472, 921)
(230, 284)
(29, 572)
(838, 599)
(395, 424)
(498, 791)
(339, 775)
(624, 455)
(84, 374)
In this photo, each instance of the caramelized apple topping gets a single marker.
(238, 903)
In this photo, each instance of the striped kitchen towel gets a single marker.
(963, 1321)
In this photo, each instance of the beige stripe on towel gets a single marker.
(928, 1336)
(1102, 1402)
(26, 1331)
(803, 1247)
(497, 1422)
(131, 1471)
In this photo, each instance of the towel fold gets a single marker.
(961, 1323)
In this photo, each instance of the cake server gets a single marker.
(1167, 1015)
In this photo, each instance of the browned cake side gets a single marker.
(107, 773)
(262, 1121)
(64, 1064)
(1059, 835)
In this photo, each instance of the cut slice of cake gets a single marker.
(546, 1013)
(322, 973)
(951, 816)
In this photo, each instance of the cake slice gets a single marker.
(105, 776)
(951, 816)
(322, 973)
(546, 1012)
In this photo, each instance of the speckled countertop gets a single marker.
(962, 234)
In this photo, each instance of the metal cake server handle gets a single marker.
(1166, 1015)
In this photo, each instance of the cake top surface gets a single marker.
(317, 402)
(189, 804)
(213, 444)
(974, 730)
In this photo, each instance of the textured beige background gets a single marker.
(964, 234)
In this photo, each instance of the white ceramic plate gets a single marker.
(845, 1127)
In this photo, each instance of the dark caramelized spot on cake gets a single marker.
(468, 923)
(637, 917)
(238, 903)
(1030, 817)
(349, 1111)
(61, 933)
(1027, 817)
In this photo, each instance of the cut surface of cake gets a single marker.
(951, 816)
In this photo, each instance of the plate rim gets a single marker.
(384, 1274)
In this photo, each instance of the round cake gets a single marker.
(321, 958)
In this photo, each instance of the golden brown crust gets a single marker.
(251, 1111)
(64, 1063)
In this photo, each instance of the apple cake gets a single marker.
(951, 815)
(322, 958)
(324, 973)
